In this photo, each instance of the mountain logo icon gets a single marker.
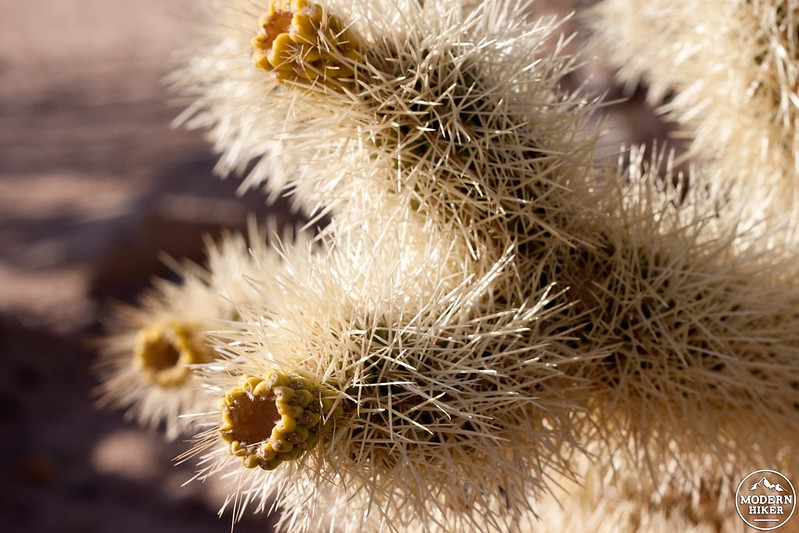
(764, 482)
(765, 500)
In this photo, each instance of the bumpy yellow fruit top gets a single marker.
(275, 418)
(303, 44)
(164, 350)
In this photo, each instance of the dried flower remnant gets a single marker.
(275, 418)
(304, 44)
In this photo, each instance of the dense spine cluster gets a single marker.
(488, 317)
(729, 71)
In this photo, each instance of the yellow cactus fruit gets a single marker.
(275, 418)
(301, 43)
(164, 350)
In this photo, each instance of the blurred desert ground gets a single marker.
(94, 183)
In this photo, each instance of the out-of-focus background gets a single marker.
(94, 183)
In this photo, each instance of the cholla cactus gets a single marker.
(425, 78)
(451, 403)
(487, 310)
(730, 69)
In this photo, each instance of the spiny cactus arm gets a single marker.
(701, 326)
(145, 365)
(458, 110)
(463, 117)
(731, 69)
(148, 360)
(454, 408)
